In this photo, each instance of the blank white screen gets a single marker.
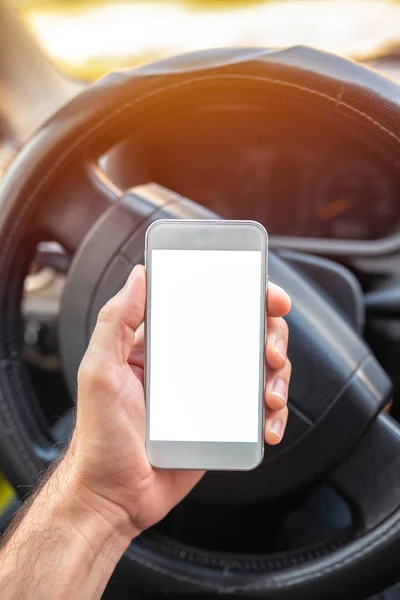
(204, 345)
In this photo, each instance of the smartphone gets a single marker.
(205, 335)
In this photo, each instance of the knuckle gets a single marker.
(106, 313)
(285, 413)
(284, 328)
(288, 368)
(278, 329)
(93, 374)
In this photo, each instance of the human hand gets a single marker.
(107, 452)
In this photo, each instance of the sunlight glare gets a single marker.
(141, 30)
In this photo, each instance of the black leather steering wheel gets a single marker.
(56, 190)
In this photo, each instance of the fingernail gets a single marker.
(134, 273)
(279, 388)
(281, 347)
(276, 427)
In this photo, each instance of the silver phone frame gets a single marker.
(174, 234)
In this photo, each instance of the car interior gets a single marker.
(304, 140)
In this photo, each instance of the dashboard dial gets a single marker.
(354, 200)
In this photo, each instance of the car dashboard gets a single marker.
(298, 177)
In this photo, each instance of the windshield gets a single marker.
(88, 38)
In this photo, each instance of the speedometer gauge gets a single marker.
(354, 200)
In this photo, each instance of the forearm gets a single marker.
(66, 545)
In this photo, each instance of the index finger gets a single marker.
(114, 333)
(278, 301)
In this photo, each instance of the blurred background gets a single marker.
(88, 38)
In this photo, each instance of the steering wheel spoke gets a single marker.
(369, 476)
(76, 205)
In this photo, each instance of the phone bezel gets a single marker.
(170, 234)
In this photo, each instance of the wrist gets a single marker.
(105, 526)
(64, 529)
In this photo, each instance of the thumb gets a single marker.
(114, 333)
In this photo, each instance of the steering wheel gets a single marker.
(56, 190)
